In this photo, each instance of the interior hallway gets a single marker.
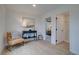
(39, 47)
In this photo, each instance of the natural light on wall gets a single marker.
(34, 5)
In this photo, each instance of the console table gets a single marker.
(29, 34)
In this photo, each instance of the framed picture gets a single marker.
(28, 22)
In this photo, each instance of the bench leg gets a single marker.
(23, 42)
(9, 48)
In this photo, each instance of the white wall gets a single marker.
(40, 26)
(2, 27)
(73, 25)
(74, 31)
(14, 21)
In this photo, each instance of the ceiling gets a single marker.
(28, 9)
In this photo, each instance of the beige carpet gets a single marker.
(39, 47)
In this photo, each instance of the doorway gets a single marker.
(62, 30)
(48, 29)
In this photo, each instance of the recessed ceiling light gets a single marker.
(34, 5)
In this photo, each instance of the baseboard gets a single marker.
(73, 53)
(1, 50)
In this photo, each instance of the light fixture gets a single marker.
(34, 5)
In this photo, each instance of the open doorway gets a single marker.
(62, 30)
(48, 29)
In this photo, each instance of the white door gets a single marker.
(59, 29)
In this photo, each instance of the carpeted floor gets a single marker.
(39, 47)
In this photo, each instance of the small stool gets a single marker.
(40, 37)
